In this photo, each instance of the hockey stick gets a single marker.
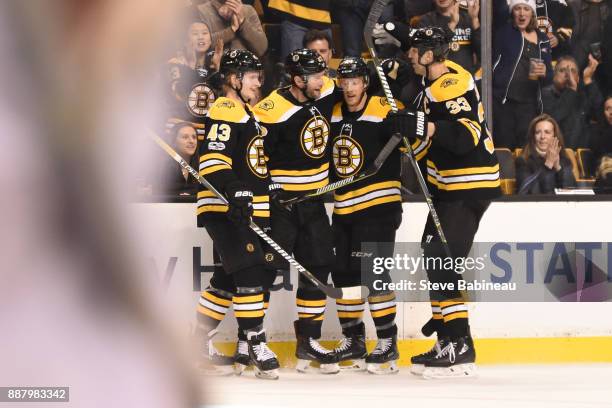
(353, 292)
(370, 171)
(375, 12)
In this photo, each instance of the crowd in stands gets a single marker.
(551, 59)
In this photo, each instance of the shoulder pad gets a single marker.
(228, 111)
(378, 108)
(451, 85)
(274, 108)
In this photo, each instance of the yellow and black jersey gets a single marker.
(233, 150)
(188, 95)
(306, 13)
(460, 157)
(358, 137)
(297, 141)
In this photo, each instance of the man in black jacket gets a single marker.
(571, 105)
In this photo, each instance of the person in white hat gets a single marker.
(522, 66)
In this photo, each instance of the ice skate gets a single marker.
(352, 350)
(212, 361)
(242, 360)
(264, 360)
(418, 361)
(312, 356)
(383, 359)
(454, 360)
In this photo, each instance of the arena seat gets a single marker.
(507, 170)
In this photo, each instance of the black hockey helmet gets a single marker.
(239, 61)
(304, 62)
(436, 39)
(353, 67)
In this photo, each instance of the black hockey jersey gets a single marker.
(460, 157)
(358, 137)
(297, 141)
(188, 95)
(233, 150)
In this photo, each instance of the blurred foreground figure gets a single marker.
(73, 306)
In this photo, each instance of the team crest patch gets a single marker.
(227, 104)
(266, 105)
(295, 58)
(449, 82)
(429, 33)
(250, 247)
(233, 54)
(347, 156)
(256, 157)
(269, 257)
(454, 46)
(200, 99)
(314, 137)
(383, 101)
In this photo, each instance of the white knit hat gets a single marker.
(530, 3)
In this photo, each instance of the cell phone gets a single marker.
(596, 50)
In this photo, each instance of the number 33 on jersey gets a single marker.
(461, 161)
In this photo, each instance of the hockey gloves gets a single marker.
(278, 196)
(408, 123)
(240, 202)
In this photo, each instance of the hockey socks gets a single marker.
(212, 307)
(383, 310)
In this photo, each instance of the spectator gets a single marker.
(556, 20)
(602, 135)
(297, 17)
(571, 105)
(464, 22)
(603, 181)
(186, 77)
(590, 18)
(174, 180)
(320, 41)
(351, 15)
(236, 24)
(543, 166)
(522, 66)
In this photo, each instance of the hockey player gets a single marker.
(232, 159)
(297, 122)
(367, 211)
(463, 177)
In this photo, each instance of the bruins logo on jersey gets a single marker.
(200, 99)
(448, 82)
(267, 105)
(227, 104)
(314, 137)
(383, 101)
(256, 157)
(347, 156)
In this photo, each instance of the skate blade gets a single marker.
(311, 367)
(417, 369)
(456, 371)
(216, 371)
(353, 365)
(239, 368)
(390, 367)
(266, 375)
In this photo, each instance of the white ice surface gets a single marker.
(528, 386)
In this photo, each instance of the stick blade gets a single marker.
(349, 293)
